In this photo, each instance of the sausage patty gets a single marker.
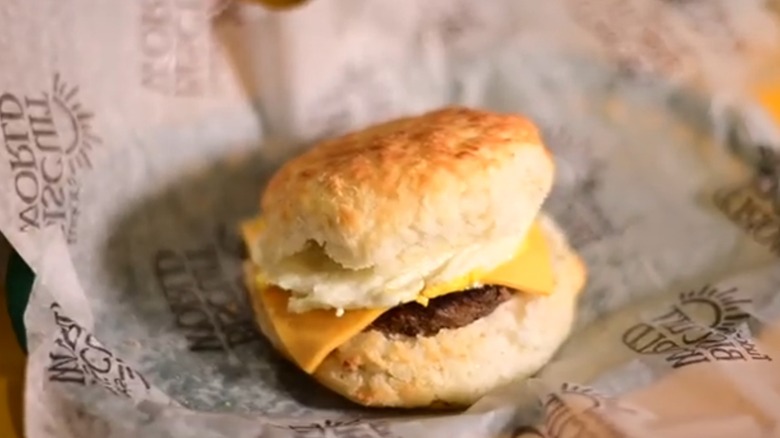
(445, 312)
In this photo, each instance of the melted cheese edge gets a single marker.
(308, 338)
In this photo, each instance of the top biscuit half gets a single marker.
(395, 192)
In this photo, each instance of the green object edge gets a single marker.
(19, 279)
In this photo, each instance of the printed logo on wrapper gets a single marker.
(78, 357)
(205, 291)
(672, 46)
(704, 326)
(341, 428)
(755, 206)
(577, 411)
(48, 138)
(177, 47)
(583, 216)
(574, 202)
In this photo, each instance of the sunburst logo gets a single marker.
(342, 427)
(703, 325)
(577, 410)
(573, 389)
(719, 309)
(74, 124)
(604, 402)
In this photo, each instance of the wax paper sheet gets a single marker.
(136, 135)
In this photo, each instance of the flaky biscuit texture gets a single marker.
(457, 367)
(401, 194)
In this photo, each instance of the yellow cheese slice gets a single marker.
(309, 337)
(531, 270)
(250, 231)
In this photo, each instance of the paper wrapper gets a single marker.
(136, 135)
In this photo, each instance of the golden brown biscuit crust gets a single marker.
(392, 192)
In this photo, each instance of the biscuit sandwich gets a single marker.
(408, 264)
